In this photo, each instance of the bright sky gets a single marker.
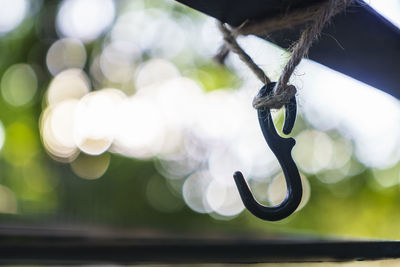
(388, 8)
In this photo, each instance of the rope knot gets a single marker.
(277, 99)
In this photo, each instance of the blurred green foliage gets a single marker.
(132, 193)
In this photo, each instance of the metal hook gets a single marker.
(282, 148)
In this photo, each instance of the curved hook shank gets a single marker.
(282, 148)
(275, 213)
(290, 116)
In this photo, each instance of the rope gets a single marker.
(233, 46)
(317, 16)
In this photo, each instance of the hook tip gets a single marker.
(238, 175)
(240, 181)
(286, 131)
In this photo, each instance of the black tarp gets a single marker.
(359, 42)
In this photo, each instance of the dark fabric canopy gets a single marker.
(359, 42)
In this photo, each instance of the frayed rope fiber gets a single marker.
(316, 17)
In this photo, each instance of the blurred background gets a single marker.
(114, 114)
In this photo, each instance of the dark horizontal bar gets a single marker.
(60, 247)
(235, 12)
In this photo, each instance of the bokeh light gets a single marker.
(12, 14)
(2, 135)
(194, 191)
(223, 163)
(62, 122)
(69, 84)
(224, 200)
(56, 126)
(139, 128)
(20, 144)
(277, 191)
(160, 69)
(19, 84)
(118, 61)
(8, 201)
(90, 167)
(151, 31)
(313, 151)
(95, 120)
(387, 177)
(65, 54)
(85, 19)
(179, 101)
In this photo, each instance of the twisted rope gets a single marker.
(316, 16)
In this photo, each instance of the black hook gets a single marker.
(282, 148)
